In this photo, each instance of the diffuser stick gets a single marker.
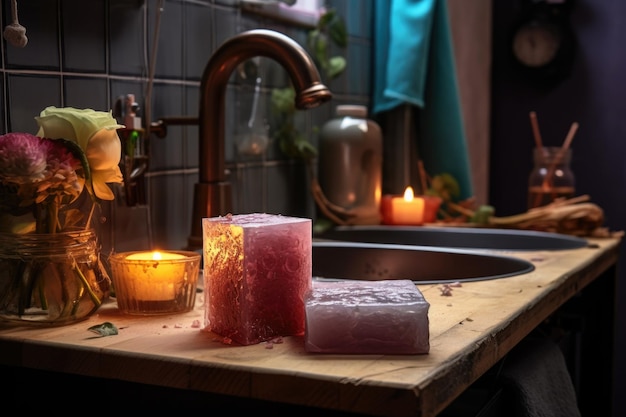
(423, 176)
(568, 140)
(536, 133)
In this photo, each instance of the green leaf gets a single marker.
(312, 38)
(330, 28)
(320, 50)
(322, 225)
(445, 186)
(79, 154)
(482, 215)
(294, 145)
(337, 31)
(283, 99)
(104, 329)
(326, 18)
(304, 147)
(336, 66)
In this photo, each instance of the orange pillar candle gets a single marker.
(402, 210)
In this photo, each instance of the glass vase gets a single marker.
(51, 279)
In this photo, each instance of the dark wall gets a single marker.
(593, 95)
(86, 54)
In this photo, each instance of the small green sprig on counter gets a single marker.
(104, 329)
(446, 187)
(330, 30)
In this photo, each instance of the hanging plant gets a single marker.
(330, 29)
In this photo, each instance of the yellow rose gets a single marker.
(96, 133)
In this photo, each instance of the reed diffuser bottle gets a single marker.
(551, 176)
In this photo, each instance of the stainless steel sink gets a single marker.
(456, 237)
(423, 265)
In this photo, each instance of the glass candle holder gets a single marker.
(155, 282)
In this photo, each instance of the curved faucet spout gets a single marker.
(212, 195)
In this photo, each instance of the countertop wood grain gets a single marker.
(469, 332)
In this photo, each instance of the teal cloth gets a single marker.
(414, 64)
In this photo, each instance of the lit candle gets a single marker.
(408, 209)
(154, 279)
(155, 282)
(403, 210)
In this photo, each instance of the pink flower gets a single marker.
(23, 158)
(38, 171)
(62, 180)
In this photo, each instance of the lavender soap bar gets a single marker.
(366, 317)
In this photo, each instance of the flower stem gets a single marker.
(76, 301)
(88, 223)
(53, 217)
(65, 295)
(23, 277)
(41, 288)
(94, 297)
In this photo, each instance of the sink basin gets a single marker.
(423, 265)
(456, 237)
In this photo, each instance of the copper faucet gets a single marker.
(212, 194)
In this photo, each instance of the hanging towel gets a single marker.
(414, 64)
(536, 381)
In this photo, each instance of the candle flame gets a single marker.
(156, 256)
(408, 194)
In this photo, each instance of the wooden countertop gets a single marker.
(469, 332)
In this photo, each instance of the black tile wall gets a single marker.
(198, 39)
(127, 38)
(27, 92)
(86, 54)
(88, 93)
(83, 35)
(167, 152)
(169, 62)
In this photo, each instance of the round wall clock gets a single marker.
(543, 43)
(536, 44)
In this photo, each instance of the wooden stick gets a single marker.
(536, 133)
(569, 138)
(423, 175)
(561, 153)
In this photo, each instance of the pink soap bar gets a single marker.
(368, 317)
(257, 271)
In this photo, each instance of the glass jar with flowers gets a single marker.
(50, 186)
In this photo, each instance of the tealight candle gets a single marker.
(155, 282)
(408, 209)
